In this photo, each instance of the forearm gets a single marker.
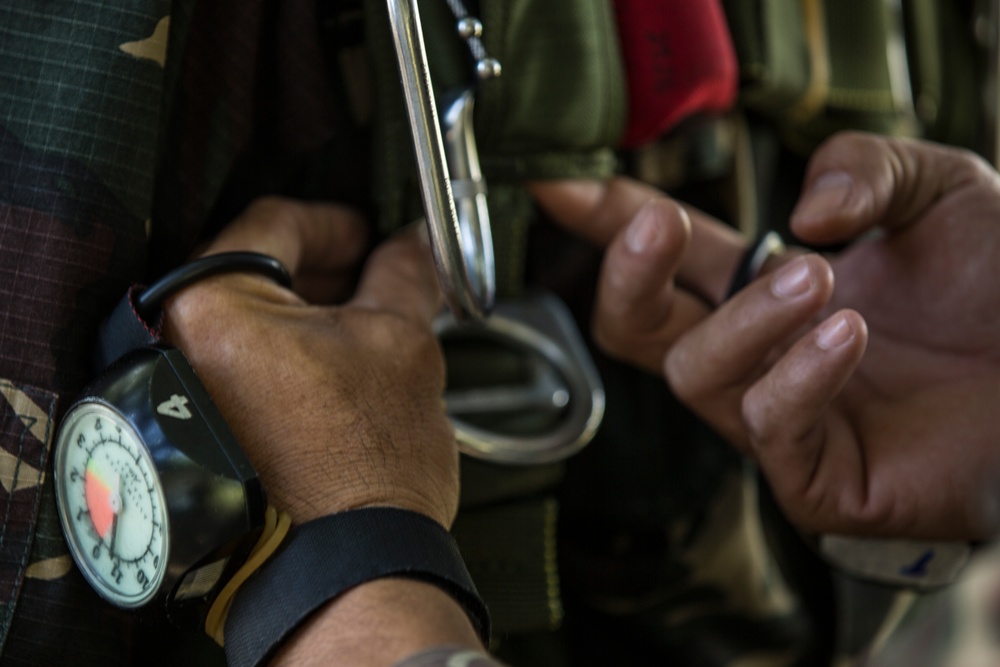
(379, 623)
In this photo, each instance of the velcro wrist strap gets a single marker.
(328, 556)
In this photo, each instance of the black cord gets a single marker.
(151, 299)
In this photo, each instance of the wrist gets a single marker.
(314, 496)
(380, 623)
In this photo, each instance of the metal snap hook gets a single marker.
(463, 251)
(555, 404)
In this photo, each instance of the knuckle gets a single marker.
(975, 168)
(682, 378)
(867, 513)
(197, 307)
(270, 205)
(845, 143)
(276, 210)
(757, 418)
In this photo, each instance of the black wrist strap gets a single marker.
(324, 558)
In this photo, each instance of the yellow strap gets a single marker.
(816, 94)
(276, 527)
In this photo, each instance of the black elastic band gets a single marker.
(753, 261)
(135, 321)
(149, 302)
(325, 557)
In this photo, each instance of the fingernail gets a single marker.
(833, 333)
(831, 192)
(645, 231)
(793, 279)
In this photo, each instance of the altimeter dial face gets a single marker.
(111, 505)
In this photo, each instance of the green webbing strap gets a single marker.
(869, 74)
(563, 88)
(773, 52)
(842, 61)
(944, 70)
(510, 551)
(511, 213)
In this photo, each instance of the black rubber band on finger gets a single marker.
(135, 320)
(753, 261)
(151, 299)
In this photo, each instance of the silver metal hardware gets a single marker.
(469, 27)
(488, 68)
(467, 184)
(469, 287)
(545, 402)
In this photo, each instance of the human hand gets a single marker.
(897, 440)
(665, 268)
(337, 407)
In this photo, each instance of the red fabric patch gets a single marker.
(680, 61)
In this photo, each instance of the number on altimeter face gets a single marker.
(111, 505)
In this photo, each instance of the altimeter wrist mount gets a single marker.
(157, 501)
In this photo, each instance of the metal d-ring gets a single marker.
(541, 408)
(463, 253)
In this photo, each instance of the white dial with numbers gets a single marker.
(111, 505)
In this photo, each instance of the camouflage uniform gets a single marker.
(79, 120)
(111, 157)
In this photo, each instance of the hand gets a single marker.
(337, 407)
(666, 265)
(899, 439)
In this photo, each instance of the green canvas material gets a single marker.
(867, 76)
(771, 46)
(556, 111)
(944, 71)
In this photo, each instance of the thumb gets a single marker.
(859, 181)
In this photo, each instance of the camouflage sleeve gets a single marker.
(449, 657)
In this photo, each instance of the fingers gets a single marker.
(307, 237)
(400, 277)
(763, 376)
(810, 457)
(599, 210)
(713, 364)
(857, 181)
(593, 209)
(637, 312)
